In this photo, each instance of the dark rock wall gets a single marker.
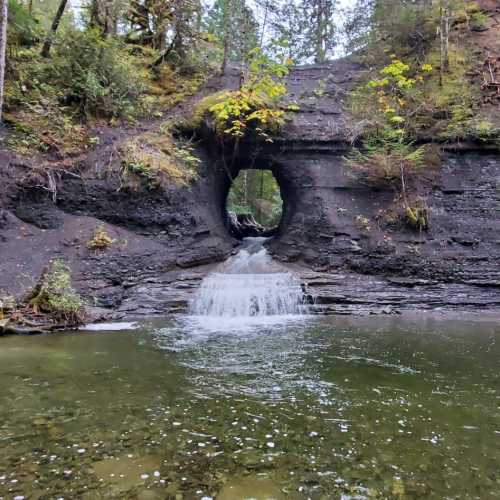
(332, 221)
(329, 222)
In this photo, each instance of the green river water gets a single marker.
(320, 408)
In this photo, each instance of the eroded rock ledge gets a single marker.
(168, 238)
(328, 293)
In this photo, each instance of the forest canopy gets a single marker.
(130, 49)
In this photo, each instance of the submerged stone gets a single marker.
(125, 472)
(251, 488)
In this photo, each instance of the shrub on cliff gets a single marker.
(256, 105)
(388, 156)
(54, 295)
(451, 105)
(155, 158)
(385, 108)
(382, 161)
(98, 74)
(51, 104)
(100, 239)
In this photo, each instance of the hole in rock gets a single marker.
(254, 204)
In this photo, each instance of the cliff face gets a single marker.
(332, 221)
(167, 238)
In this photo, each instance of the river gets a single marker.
(299, 407)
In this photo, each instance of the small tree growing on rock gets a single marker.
(54, 295)
(387, 156)
(256, 104)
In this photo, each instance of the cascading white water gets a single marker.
(248, 284)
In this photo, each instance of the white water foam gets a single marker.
(249, 285)
(109, 327)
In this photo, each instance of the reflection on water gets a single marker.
(305, 408)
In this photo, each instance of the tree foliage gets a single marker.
(97, 74)
(380, 27)
(232, 25)
(320, 30)
(256, 104)
(307, 28)
(387, 157)
(23, 29)
(105, 55)
(256, 192)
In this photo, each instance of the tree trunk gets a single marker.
(94, 14)
(55, 24)
(261, 195)
(198, 24)
(224, 57)
(159, 32)
(108, 19)
(266, 9)
(226, 36)
(320, 32)
(245, 188)
(4, 13)
(444, 33)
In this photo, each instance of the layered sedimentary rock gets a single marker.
(167, 238)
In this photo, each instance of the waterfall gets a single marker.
(248, 284)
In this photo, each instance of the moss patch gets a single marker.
(54, 295)
(155, 158)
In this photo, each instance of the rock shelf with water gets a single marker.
(249, 284)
